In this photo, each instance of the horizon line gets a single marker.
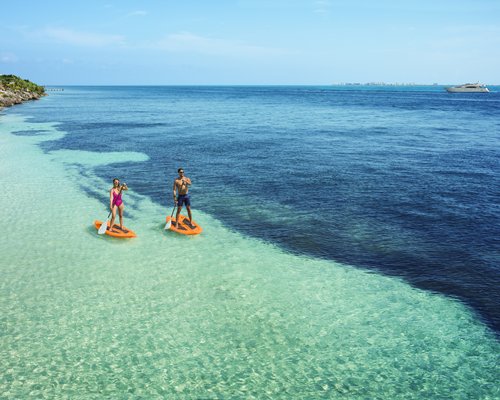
(346, 84)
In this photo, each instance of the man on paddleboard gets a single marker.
(181, 196)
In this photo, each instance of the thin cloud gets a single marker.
(8, 58)
(322, 6)
(87, 39)
(190, 43)
(140, 13)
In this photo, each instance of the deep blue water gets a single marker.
(404, 181)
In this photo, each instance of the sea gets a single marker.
(350, 245)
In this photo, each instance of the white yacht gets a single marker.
(468, 88)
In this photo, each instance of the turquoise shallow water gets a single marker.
(403, 181)
(220, 315)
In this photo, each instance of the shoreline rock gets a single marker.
(14, 90)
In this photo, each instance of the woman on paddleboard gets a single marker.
(116, 202)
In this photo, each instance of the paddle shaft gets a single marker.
(169, 222)
(171, 215)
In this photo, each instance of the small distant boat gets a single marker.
(468, 88)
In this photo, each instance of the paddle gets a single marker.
(169, 222)
(102, 228)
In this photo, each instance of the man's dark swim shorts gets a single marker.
(183, 199)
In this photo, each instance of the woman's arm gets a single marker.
(111, 199)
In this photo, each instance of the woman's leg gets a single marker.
(120, 213)
(113, 216)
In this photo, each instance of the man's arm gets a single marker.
(174, 191)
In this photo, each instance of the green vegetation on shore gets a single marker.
(15, 90)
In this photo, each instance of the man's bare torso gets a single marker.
(182, 186)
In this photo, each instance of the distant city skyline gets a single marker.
(251, 42)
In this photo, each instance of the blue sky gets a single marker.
(250, 41)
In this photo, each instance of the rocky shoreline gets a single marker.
(14, 90)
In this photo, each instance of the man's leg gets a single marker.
(179, 208)
(189, 214)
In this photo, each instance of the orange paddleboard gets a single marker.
(116, 232)
(185, 227)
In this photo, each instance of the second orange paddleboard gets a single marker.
(185, 227)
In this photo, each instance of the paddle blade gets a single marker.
(168, 224)
(102, 228)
